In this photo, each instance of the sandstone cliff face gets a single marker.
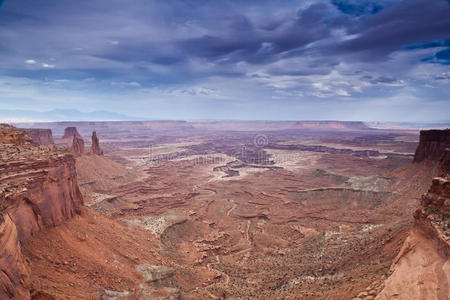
(444, 164)
(38, 190)
(70, 132)
(95, 147)
(422, 268)
(11, 135)
(40, 137)
(14, 275)
(77, 147)
(433, 214)
(432, 144)
(419, 271)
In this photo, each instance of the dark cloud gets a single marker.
(141, 51)
(10, 18)
(408, 22)
(358, 8)
(440, 57)
(429, 44)
(313, 15)
(385, 79)
(444, 55)
(243, 41)
(221, 32)
(317, 47)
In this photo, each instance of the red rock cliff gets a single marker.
(432, 144)
(433, 214)
(70, 132)
(38, 190)
(11, 135)
(40, 137)
(77, 147)
(95, 147)
(421, 270)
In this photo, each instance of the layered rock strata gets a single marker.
(422, 268)
(11, 135)
(38, 190)
(70, 132)
(433, 214)
(432, 144)
(40, 137)
(77, 147)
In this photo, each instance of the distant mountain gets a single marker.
(60, 115)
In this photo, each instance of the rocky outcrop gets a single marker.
(14, 275)
(433, 214)
(95, 147)
(77, 147)
(444, 164)
(11, 135)
(432, 144)
(421, 269)
(70, 132)
(38, 190)
(40, 137)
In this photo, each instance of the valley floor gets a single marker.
(203, 216)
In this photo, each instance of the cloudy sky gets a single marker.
(382, 60)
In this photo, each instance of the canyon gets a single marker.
(428, 244)
(39, 190)
(223, 210)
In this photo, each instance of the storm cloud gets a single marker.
(287, 54)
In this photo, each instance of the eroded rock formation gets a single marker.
(77, 147)
(40, 137)
(421, 269)
(38, 190)
(14, 275)
(95, 147)
(432, 144)
(11, 135)
(433, 214)
(70, 132)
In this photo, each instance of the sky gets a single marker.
(381, 60)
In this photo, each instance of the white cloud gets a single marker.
(442, 76)
(194, 91)
(126, 84)
(332, 88)
(47, 66)
(30, 61)
(342, 92)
